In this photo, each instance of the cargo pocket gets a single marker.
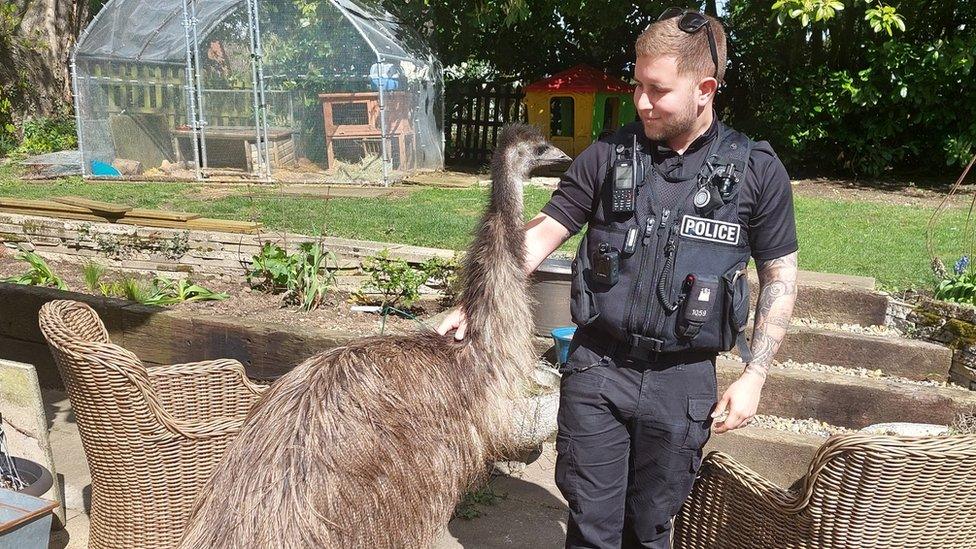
(736, 283)
(681, 488)
(699, 420)
(566, 471)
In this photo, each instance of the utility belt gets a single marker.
(643, 350)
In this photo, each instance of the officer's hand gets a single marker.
(454, 319)
(740, 400)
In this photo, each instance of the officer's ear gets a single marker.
(707, 87)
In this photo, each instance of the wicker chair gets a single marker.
(151, 435)
(861, 491)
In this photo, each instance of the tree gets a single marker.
(35, 48)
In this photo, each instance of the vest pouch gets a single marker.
(701, 296)
(582, 306)
(736, 283)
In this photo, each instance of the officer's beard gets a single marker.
(676, 125)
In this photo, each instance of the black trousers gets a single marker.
(629, 442)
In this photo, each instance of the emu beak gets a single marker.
(554, 157)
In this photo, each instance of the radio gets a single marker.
(624, 191)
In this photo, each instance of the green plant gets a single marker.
(467, 508)
(134, 289)
(39, 274)
(92, 273)
(167, 292)
(394, 279)
(271, 269)
(444, 274)
(48, 134)
(958, 288)
(161, 291)
(303, 276)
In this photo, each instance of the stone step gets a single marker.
(779, 456)
(833, 298)
(896, 356)
(851, 401)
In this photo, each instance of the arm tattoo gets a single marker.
(777, 294)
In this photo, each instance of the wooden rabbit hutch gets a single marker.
(353, 128)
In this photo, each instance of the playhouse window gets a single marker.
(611, 113)
(561, 116)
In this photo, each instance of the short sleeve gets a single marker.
(573, 200)
(772, 226)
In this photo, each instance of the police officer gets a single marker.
(675, 204)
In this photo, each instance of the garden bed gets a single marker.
(335, 313)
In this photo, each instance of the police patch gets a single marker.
(710, 230)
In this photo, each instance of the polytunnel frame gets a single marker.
(196, 111)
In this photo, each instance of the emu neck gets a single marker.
(494, 298)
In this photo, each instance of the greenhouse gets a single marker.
(270, 90)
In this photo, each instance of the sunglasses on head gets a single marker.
(691, 22)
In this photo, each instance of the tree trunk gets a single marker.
(38, 53)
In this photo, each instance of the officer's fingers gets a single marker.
(462, 328)
(720, 407)
(733, 421)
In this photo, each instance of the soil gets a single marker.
(899, 193)
(334, 314)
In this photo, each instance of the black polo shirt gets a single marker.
(765, 202)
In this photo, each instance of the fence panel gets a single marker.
(475, 111)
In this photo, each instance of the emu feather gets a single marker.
(373, 444)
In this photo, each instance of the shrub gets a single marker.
(394, 279)
(303, 276)
(960, 286)
(444, 274)
(48, 134)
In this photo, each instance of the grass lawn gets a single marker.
(861, 238)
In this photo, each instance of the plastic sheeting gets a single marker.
(269, 89)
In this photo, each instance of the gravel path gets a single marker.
(877, 330)
(808, 426)
(864, 372)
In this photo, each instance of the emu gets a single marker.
(374, 443)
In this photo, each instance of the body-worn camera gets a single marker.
(605, 265)
(701, 293)
(715, 187)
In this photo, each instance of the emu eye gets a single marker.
(541, 150)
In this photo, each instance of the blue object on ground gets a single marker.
(562, 336)
(104, 169)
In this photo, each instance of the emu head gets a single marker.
(522, 148)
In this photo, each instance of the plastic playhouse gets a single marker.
(575, 106)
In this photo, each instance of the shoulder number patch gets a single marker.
(711, 230)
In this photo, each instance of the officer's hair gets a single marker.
(691, 50)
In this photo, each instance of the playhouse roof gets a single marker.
(581, 78)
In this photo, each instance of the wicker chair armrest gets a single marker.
(751, 482)
(196, 431)
(198, 393)
(732, 506)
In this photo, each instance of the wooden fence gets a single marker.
(132, 88)
(474, 114)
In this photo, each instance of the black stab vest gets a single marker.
(639, 309)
